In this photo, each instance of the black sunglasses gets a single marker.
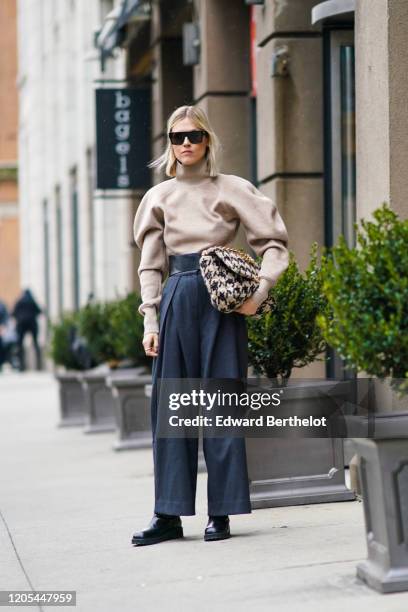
(194, 136)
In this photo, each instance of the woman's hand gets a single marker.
(151, 344)
(249, 307)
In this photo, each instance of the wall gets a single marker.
(381, 31)
(290, 126)
(9, 221)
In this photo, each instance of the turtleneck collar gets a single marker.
(199, 170)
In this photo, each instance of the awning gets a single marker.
(112, 32)
(334, 10)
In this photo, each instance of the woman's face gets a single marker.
(188, 153)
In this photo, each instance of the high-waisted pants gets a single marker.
(198, 341)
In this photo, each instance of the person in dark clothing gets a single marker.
(4, 316)
(25, 312)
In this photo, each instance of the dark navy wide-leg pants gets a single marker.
(198, 341)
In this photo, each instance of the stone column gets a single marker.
(172, 81)
(222, 84)
(290, 125)
(221, 79)
(381, 31)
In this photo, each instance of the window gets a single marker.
(75, 239)
(60, 266)
(46, 251)
(339, 149)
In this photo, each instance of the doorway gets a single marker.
(339, 150)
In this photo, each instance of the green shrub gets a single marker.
(367, 288)
(113, 331)
(60, 342)
(95, 325)
(288, 336)
(127, 325)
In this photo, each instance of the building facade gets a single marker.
(72, 243)
(307, 98)
(9, 221)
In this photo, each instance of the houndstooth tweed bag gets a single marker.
(231, 277)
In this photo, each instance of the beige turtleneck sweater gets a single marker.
(194, 211)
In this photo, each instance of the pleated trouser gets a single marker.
(198, 341)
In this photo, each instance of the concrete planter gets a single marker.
(287, 471)
(383, 471)
(131, 408)
(72, 399)
(100, 407)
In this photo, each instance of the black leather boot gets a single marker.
(161, 527)
(217, 528)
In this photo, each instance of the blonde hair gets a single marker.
(200, 119)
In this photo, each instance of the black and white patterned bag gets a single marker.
(231, 277)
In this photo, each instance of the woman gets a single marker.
(177, 219)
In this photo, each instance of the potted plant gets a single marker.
(68, 363)
(127, 329)
(367, 289)
(95, 325)
(128, 384)
(288, 337)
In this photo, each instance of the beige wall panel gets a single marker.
(290, 110)
(224, 62)
(283, 16)
(317, 369)
(157, 93)
(300, 203)
(230, 119)
(398, 78)
(381, 128)
(372, 120)
(155, 25)
(158, 147)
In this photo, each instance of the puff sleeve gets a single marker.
(265, 231)
(148, 229)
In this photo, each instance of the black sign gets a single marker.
(122, 138)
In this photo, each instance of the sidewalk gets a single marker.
(69, 505)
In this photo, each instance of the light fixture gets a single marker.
(280, 61)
